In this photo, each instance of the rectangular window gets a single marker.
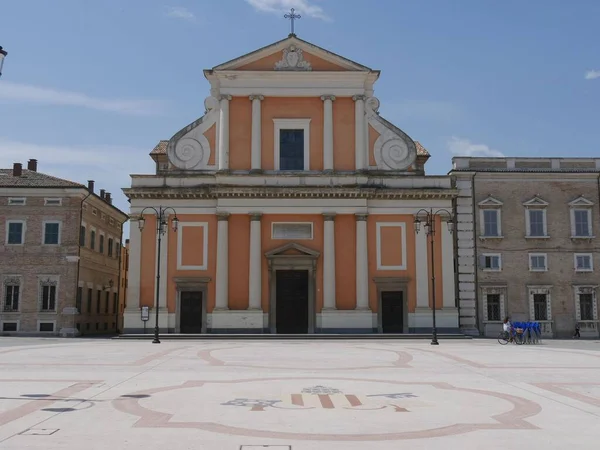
(115, 303)
(13, 201)
(11, 297)
(583, 262)
(582, 223)
(9, 326)
(490, 262)
(105, 326)
(101, 244)
(51, 233)
(48, 298)
(291, 149)
(540, 308)
(89, 300)
(537, 262)
(110, 246)
(93, 240)
(490, 223)
(493, 307)
(98, 300)
(537, 225)
(292, 230)
(106, 302)
(53, 201)
(586, 306)
(15, 232)
(46, 326)
(79, 298)
(82, 232)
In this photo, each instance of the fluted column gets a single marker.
(329, 262)
(328, 131)
(422, 268)
(362, 265)
(360, 152)
(222, 283)
(256, 132)
(224, 132)
(447, 267)
(254, 287)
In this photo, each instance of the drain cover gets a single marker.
(39, 431)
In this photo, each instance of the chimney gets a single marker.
(91, 186)
(32, 165)
(102, 191)
(108, 198)
(17, 169)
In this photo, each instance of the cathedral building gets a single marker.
(289, 207)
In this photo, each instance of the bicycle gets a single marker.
(515, 336)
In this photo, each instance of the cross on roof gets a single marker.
(292, 16)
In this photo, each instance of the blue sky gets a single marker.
(89, 87)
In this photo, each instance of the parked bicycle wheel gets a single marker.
(503, 338)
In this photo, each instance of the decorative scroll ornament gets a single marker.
(293, 59)
(393, 149)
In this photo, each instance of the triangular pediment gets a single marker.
(292, 54)
(490, 201)
(292, 249)
(581, 201)
(535, 201)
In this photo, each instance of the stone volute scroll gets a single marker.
(393, 149)
(293, 59)
(189, 149)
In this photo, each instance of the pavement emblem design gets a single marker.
(315, 410)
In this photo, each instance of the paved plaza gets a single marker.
(303, 395)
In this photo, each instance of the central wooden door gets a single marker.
(190, 319)
(291, 297)
(392, 311)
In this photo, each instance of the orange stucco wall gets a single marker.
(292, 108)
(409, 273)
(211, 135)
(192, 254)
(345, 261)
(343, 134)
(391, 246)
(148, 263)
(240, 133)
(268, 63)
(189, 240)
(239, 260)
(373, 136)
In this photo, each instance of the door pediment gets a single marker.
(292, 250)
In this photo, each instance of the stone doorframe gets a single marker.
(390, 284)
(292, 256)
(190, 284)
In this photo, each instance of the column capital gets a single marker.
(328, 97)
(225, 97)
(361, 217)
(329, 216)
(223, 216)
(256, 216)
(359, 97)
(256, 97)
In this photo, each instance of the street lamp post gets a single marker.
(429, 224)
(162, 222)
(3, 54)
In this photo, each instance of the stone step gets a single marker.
(239, 336)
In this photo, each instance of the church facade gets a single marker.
(295, 203)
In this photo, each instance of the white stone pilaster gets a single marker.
(255, 282)
(362, 266)
(329, 262)
(222, 276)
(223, 162)
(359, 119)
(328, 131)
(448, 267)
(256, 132)
(135, 260)
(422, 268)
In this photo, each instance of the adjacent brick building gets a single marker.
(526, 243)
(59, 255)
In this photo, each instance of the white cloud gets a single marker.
(592, 74)
(305, 7)
(179, 12)
(27, 93)
(109, 166)
(464, 147)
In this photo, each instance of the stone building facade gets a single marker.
(295, 201)
(54, 280)
(526, 243)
